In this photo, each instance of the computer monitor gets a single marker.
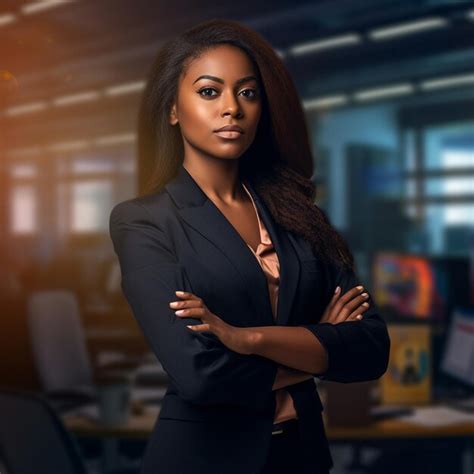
(458, 355)
(418, 287)
(404, 285)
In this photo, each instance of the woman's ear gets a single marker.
(173, 115)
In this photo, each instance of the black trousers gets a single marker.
(285, 455)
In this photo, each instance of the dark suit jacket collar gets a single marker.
(205, 217)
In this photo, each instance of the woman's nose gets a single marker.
(231, 104)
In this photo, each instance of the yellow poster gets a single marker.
(408, 377)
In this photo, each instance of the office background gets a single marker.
(388, 91)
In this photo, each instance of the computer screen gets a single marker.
(405, 284)
(458, 356)
(419, 287)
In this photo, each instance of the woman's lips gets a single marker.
(232, 134)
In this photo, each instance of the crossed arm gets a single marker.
(352, 350)
(286, 376)
(298, 348)
(202, 369)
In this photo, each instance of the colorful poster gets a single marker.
(408, 377)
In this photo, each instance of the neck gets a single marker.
(219, 179)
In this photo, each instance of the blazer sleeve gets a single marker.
(357, 350)
(203, 369)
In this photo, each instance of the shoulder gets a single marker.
(151, 208)
(138, 229)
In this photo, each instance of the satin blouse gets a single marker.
(268, 260)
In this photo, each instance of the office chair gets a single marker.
(59, 348)
(62, 359)
(33, 439)
(60, 351)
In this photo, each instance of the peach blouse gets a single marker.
(268, 260)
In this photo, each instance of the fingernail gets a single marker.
(359, 316)
(188, 326)
(337, 290)
(179, 292)
(359, 287)
(180, 311)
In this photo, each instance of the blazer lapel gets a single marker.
(289, 262)
(205, 217)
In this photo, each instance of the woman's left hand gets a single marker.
(235, 338)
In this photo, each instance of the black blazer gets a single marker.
(219, 407)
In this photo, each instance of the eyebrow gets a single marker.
(218, 79)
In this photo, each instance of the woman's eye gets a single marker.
(206, 89)
(253, 94)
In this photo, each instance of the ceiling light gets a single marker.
(36, 7)
(407, 28)
(76, 98)
(448, 81)
(125, 88)
(280, 53)
(115, 139)
(70, 145)
(329, 43)
(326, 101)
(7, 18)
(25, 108)
(385, 91)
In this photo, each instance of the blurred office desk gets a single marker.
(382, 434)
(398, 437)
(393, 428)
(138, 426)
(141, 426)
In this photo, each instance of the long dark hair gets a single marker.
(279, 162)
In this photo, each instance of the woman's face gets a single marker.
(219, 88)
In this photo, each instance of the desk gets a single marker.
(141, 426)
(455, 440)
(398, 429)
(138, 426)
(378, 433)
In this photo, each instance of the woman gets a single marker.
(226, 233)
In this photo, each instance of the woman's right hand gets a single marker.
(348, 307)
